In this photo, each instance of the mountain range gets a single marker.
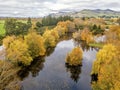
(88, 13)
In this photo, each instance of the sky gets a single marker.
(39, 8)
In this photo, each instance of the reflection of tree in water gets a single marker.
(83, 45)
(36, 66)
(50, 51)
(74, 72)
(68, 36)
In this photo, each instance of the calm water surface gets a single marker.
(51, 73)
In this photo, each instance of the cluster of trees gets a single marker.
(74, 58)
(106, 67)
(107, 64)
(84, 35)
(95, 25)
(49, 20)
(14, 27)
(96, 29)
(51, 37)
(22, 50)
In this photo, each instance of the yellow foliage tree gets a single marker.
(55, 34)
(70, 26)
(86, 35)
(76, 35)
(18, 53)
(35, 44)
(50, 40)
(74, 58)
(8, 40)
(104, 56)
(106, 66)
(61, 28)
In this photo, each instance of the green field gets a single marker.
(2, 30)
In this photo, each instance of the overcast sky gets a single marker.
(37, 8)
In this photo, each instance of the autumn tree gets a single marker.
(106, 67)
(16, 50)
(74, 58)
(86, 35)
(50, 40)
(35, 44)
(76, 35)
(8, 76)
(18, 53)
(70, 26)
(79, 23)
(8, 40)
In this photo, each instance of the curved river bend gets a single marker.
(51, 73)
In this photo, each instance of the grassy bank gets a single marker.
(2, 30)
(99, 45)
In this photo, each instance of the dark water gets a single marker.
(51, 73)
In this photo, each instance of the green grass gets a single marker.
(99, 45)
(2, 30)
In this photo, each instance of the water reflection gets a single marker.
(83, 45)
(66, 37)
(50, 51)
(74, 72)
(36, 66)
(51, 73)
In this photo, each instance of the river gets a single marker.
(51, 73)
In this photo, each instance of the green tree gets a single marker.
(10, 26)
(13, 27)
(29, 23)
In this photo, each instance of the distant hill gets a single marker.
(89, 13)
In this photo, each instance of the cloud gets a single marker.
(36, 8)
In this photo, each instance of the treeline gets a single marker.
(13, 26)
(96, 29)
(21, 50)
(49, 20)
